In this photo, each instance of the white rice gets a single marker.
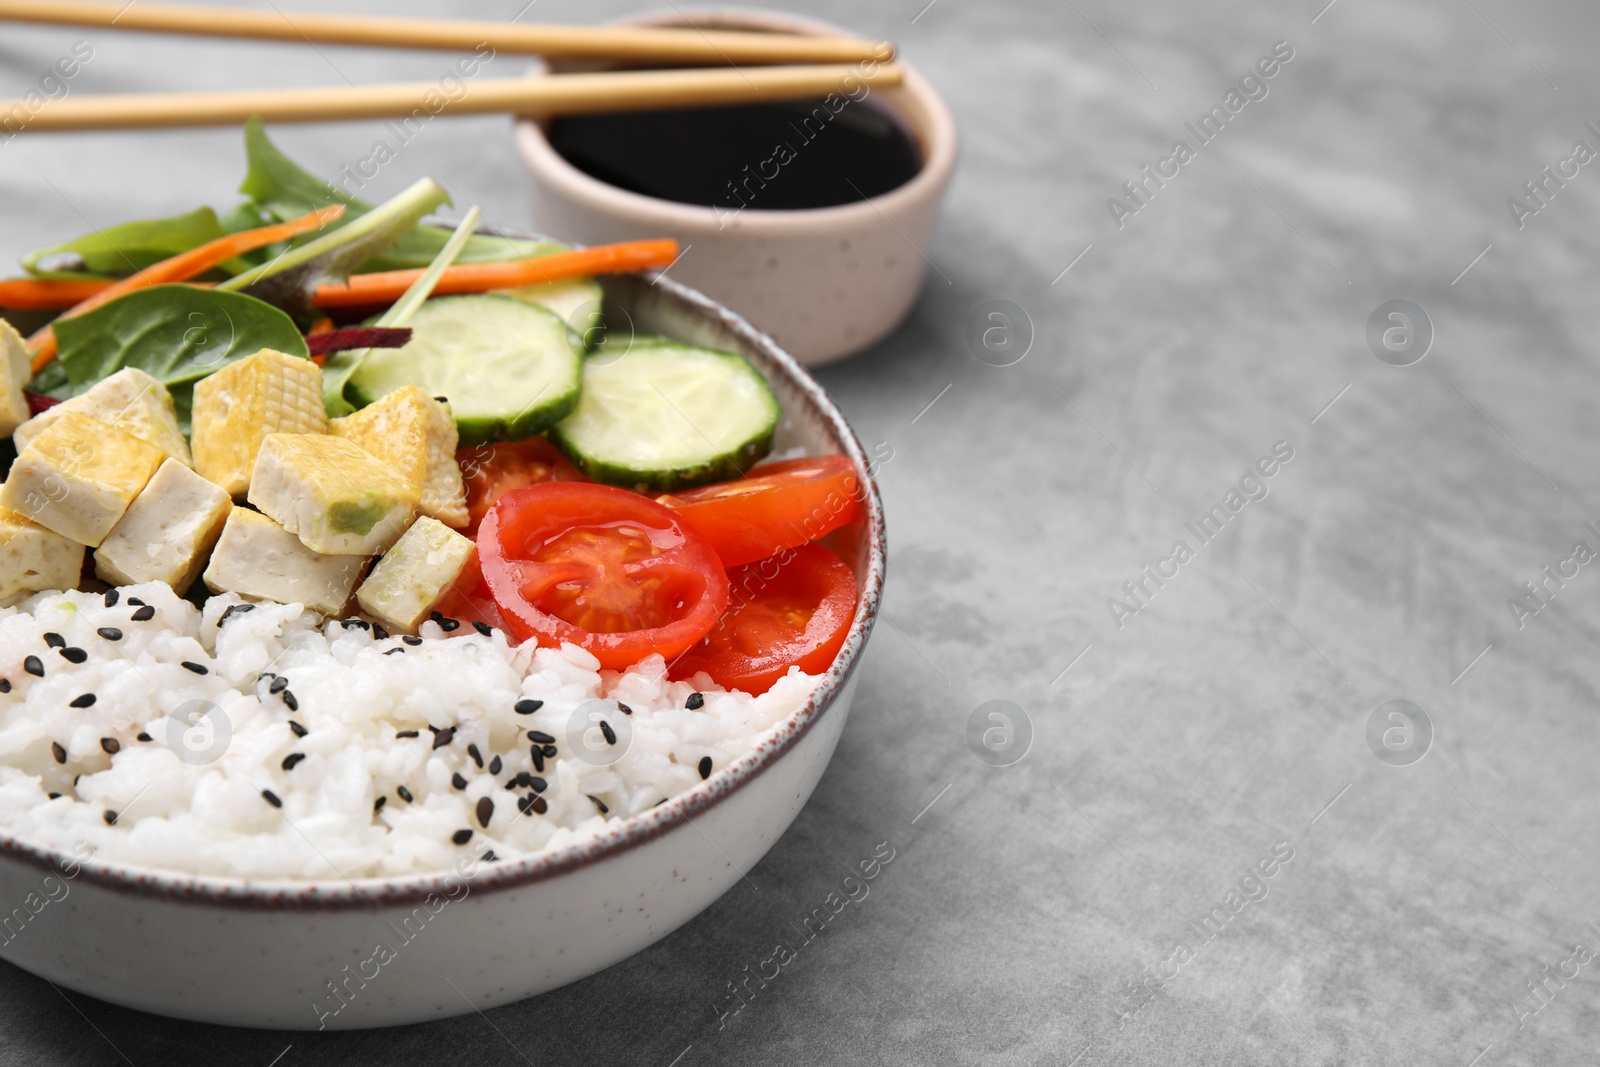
(210, 814)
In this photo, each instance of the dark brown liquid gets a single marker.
(766, 157)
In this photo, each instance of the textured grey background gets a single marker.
(1230, 714)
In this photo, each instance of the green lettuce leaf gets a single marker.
(283, 189)
(118, 251)
(177, 334)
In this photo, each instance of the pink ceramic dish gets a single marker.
(824, 282)
(304, 955)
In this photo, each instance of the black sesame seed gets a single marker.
(380, 802)
(527, 707)
(85, 701)
(290, 702)
(237, 609)
(442, 399)
(610, 734)
(271, 798)
(111, 745)
(379, 633)
(197, 668)
(538, 785)
(458, 781)
(550, 751)
(461, 837)
(624, 709)
(110, 633)
(5, 685)
(495, 765)
(144, 736)
(484, 811)
(524, 804)
(58, 752)
(404, 793)
(355, 624)
(144, 614)
(55, 640)
(412, 641)
(540, 737)
(705, 767)
(111, 598)
(538, 758)
(73, 655)
(599, 804)
(443, 737)
(447, 624)
(32, 665)
(279, 684)
(540, 806)
(406, 733)
(477, 757)
(136, 602)
(299, 731)
(55, 796)
(483, 628)
(489, 856)
(110, 817)
(292, 759)
(695, 702)
(394, 651)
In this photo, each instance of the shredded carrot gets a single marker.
(45, 294)
(363, 290)
(182, 267)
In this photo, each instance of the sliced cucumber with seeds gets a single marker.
(509, 369)
(578, 301)
(666, 416)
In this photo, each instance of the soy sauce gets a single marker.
(767, 157)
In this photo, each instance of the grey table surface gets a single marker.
(1034, 913)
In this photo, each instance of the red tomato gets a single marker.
(782, 505)
(599, 567)
(492, 471)
(791, 610)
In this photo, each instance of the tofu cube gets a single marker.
(79, 476)
(414, 434)
(14, 374)
(338, 498)
(32, 559)
(130, 400)
(255, 557)
(166, 532)
(237, 407)
(411, 577)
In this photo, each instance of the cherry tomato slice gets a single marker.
(779, 506)
(602, 568)
(492, 471)
(791, 610)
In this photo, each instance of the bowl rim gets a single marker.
(298, 895)
(939, 142)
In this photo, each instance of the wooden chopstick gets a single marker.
(552, 94)
(631, 43)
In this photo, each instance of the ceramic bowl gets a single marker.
(306, 955)
(826, 282)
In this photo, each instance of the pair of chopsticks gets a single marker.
(727, 67)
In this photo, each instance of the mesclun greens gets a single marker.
(118, 251)
(177, 334)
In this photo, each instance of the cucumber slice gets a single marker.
(509, 369)
(578, 301)
(666, 416)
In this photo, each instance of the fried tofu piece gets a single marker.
(79, 476)
(237, 407)
(255, 557)
(338, 498)
(130, 400)
(415, 434)
(411, 577)
(14, 374)
(166, 532)
(33, 559)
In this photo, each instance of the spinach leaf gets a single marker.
(291, 280)
(177, 334)
(117, 251)
(285, 190)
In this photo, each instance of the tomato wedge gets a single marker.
(779, 506)
(602, 568)
(492, 471)
(792, 610)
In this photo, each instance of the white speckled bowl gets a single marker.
(825, 283)
(258, 953)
